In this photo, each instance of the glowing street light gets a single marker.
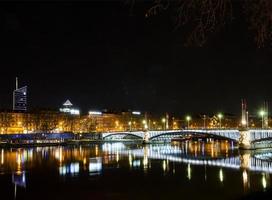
(220, 116)
(262, 114)
(164, 123)
(145, 124)
(130, 125)
(188, 119)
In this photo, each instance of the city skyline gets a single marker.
(22, 92)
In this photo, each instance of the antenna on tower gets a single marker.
(244, 114)
(16, 84)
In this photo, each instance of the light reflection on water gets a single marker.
(218, 159)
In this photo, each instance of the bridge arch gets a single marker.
(121, 135)
(169, 135)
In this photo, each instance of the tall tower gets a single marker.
(244, 120)
(19, 97)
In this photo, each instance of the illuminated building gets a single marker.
(67, 108)
(20, 98)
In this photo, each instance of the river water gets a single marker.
(180, 170)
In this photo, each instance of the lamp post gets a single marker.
(220, 116)
(262, 113)
(130, 126)
(154, 126)
(164, 123)
(145, 125)
(204, 121)
(188, 119)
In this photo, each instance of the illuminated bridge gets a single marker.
(245, 138)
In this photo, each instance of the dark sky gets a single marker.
(103, 55)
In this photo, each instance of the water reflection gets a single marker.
(18, 180)
(246, 182)
(221, 175)
(95, 166)
(213, 158)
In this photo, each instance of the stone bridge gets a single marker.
(246, 138)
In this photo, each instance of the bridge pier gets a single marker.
(146, 137)
(244, 140)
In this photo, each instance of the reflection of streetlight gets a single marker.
(189, 172)
(262, 113)
(221, 175)
(220, 116)
(188, 118)
(264, 183)
(164, 121)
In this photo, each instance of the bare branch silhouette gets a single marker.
(202, 18)
(259, 16)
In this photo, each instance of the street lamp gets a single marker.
(154, 126)
(262, 114)
(130, 123)
(144, 123)
(164, 121)
(188, 119)
(220, 116)
(204, 121)
(146, 126)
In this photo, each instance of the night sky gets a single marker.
(106, 55)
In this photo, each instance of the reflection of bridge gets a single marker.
(245, 137)
(259, 162)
